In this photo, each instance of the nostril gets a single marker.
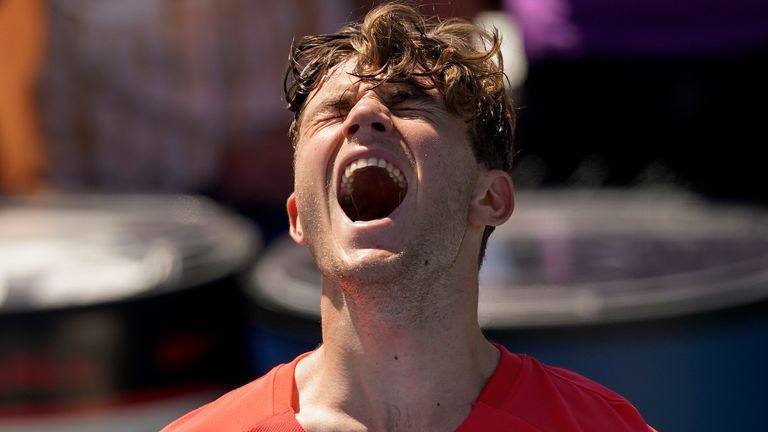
(379, 127)
(353, 129)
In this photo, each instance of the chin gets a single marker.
(367, 267)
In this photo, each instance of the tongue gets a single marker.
(374, 195)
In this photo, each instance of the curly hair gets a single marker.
(396, 43)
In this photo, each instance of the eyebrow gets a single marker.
(341, 102)
(335, 101)
(391, 93)
(406, 91)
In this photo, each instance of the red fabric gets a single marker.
(525, 395)
(260, 406)
(522, 395)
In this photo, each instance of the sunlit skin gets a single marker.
(341, 123)
(401, 345)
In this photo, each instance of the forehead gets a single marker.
(341, 82)
(338, 78)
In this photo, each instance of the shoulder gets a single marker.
(569, 383)
(241, 409)
(553, 398)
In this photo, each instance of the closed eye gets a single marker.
(408, 99)
(331, 113)
(337, 116)
(332, 109)
(416, 106)
(409, 111)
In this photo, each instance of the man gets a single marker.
(402, 143)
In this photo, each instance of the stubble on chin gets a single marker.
(397, 288)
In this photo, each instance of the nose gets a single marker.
(367, 116)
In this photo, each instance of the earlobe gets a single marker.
(297, 234)
(494, 199)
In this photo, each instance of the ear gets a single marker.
(494, 199)
(297, 234)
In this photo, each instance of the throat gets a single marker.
(386, 372)
(403, 394)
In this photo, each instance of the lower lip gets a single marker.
(377, 223)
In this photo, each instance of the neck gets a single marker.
(418, 366)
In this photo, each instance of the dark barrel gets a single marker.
(118, 312)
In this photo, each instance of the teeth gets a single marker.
(347, 179)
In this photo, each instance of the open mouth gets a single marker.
(371, 189)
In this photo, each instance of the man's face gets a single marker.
(384, 178)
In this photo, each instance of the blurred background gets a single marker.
(145, 162)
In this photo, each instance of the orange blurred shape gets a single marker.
(22, 39)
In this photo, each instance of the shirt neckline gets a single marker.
(499, 385)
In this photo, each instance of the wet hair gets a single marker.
(396, 43)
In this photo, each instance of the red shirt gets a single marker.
(522, 395)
